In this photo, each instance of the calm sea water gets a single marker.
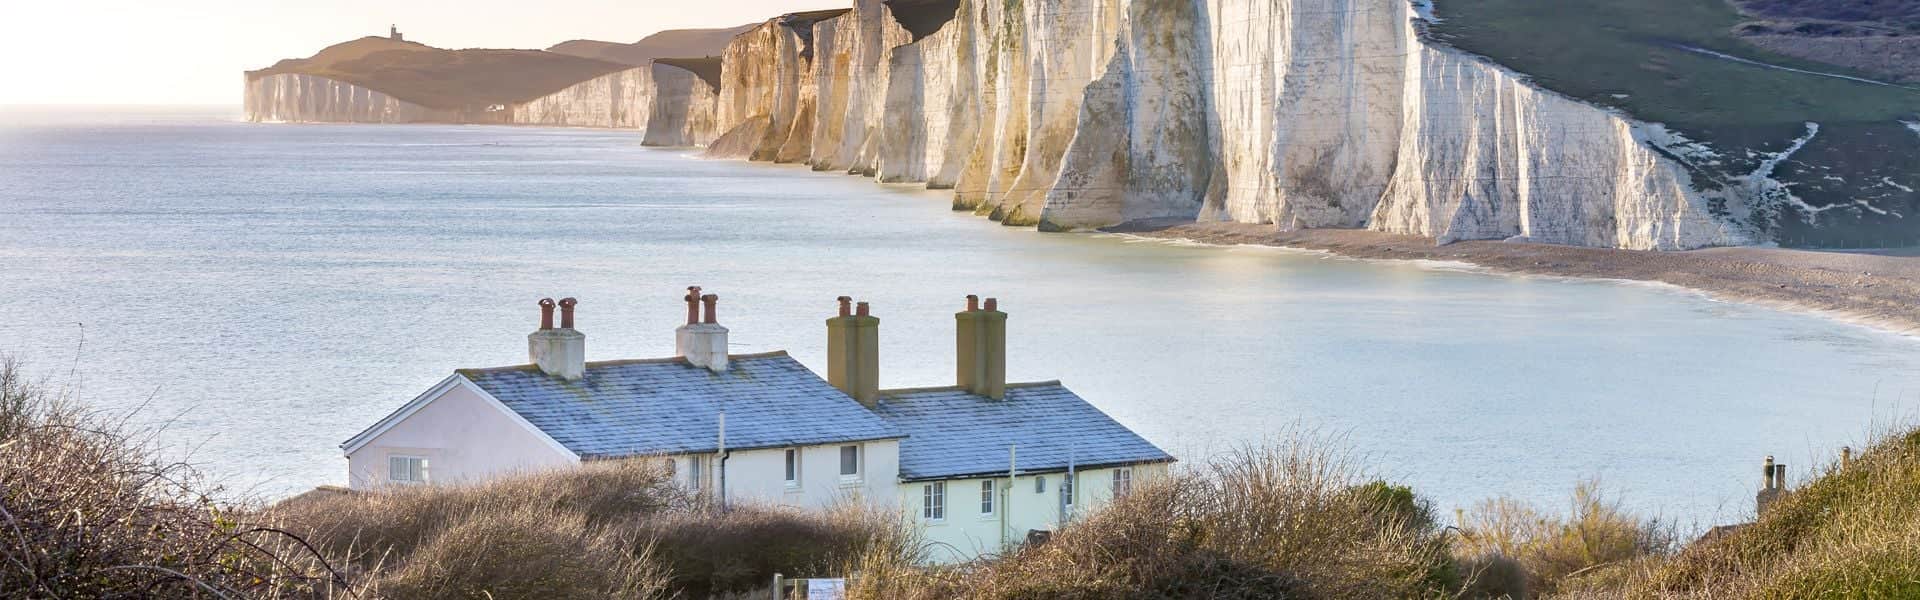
(266, 291)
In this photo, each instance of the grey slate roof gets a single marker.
(667, 406)
(952, 433)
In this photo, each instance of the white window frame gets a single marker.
(424, 469)
(1122, 481)
(1067, 490)
(694, 468)
(989, 499)
(933, 502)
(1039, 484)
(792, 467)
(859, 460)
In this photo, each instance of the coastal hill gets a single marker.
(444, 79)
(666, 44)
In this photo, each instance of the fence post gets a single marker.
(779, 587)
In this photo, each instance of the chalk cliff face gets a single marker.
(616, 100)
(682, 111)
(1074, 114)
(621, 99)
(298, 98)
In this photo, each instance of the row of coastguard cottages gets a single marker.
(981, 464)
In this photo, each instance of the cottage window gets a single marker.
(1040, 484)
(407, 469)
(1122, 481)
(849, 461)
(793, 467)
(1066, 490)
(986, 497)
(933, 501)
(693, 472)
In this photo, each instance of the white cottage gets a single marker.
(979, 464)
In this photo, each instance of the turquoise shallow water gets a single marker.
(268, 290)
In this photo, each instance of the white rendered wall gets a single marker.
(759, 476)
(462, 436)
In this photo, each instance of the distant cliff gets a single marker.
(381, 80)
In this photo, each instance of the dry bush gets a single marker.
(1288, 520)
(713, 552)
(615, 528)
(1596, 533)
(88, 512)
(371, 528)
(527, 552)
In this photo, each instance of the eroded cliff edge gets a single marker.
(1079, 114)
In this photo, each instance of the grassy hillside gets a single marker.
(1646, 57)
(673, 43)
(452, 79)
(1852, 532)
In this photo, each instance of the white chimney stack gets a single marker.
(560, 352)
(702, 341)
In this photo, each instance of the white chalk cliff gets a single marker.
(621, 99)
(300, 98)
(1076, 114)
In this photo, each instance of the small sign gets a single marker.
(826, 589)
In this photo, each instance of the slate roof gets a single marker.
(952, 433)
(668, 406)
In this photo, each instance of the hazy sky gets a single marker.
(192, 51)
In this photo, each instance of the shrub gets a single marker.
(1596, 533)
(739, 550)
(90, 513)
(526, 552)
(618, 528)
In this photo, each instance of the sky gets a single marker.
(193, 51)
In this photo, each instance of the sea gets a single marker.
(249, 296)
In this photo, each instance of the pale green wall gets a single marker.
(966, 533)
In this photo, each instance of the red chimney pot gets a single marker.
(862, 310)
(546, 314)
(693, 304)
(846, 306)
(566, 312)
(712, 301)
(993, 304)
(973, 303)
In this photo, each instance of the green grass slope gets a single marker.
(1852, 183)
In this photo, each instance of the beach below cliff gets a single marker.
(1879, 289)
